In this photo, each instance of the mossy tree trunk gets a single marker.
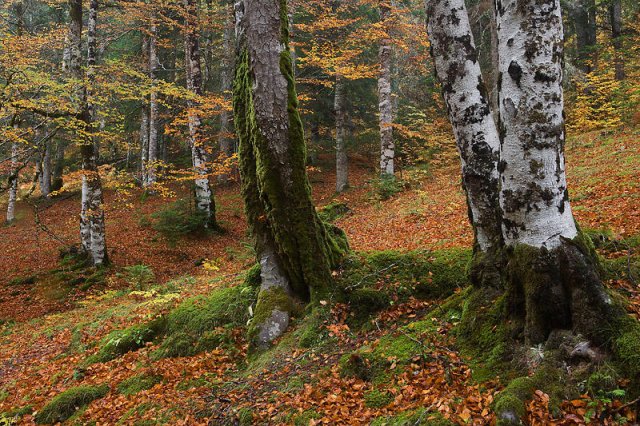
(458, 69)
(295, 249)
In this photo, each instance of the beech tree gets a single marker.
(548, 271)
(385, 101)
(295, 249)
(199, 157)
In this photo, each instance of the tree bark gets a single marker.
(615, 15)
(204, 197)
(342, 159)
(584, 20)
(293, 246)
(385, 101)
(45, 176)
(152, 155)
(226, 143)
(552, 282)
(13, 182)
(458, 69)
(58, 169)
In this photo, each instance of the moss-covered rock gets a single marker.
(333, 211)
(119, 342)
(135, 384)
(65, 404)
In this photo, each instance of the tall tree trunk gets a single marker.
(294, 248)
(144, 116)
(385, 101)
(13, 182)
(458, 69)
(58, 168)
(204, 197)
(615, 15)
(552, 281)
(584, 20)
(225, 142)
(342, 160)
(152, 156)
(45, 176)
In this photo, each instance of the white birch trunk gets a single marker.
(204, 197)
(342, 159)
(152, 157)
(13, 185)
(385, 101)
(457, 67)
(534, 196)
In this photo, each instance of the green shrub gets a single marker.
(386, 186)
(178, 220)
(68, 402)
(138, 276)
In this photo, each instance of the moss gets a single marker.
(355, 365)
(252, 276)
(312, 331)
(333, 211)
(269, 300)
(12, 417)
(245, 417)
(377, 398)
(65, 404)
(203, 322)
(119, 342)
(601, 381)
(305, 417)
(510, 409)
(135, 384)
(412, 418)
(626, 348)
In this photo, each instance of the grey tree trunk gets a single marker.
(385, 101)
(204, 197)
(13, 182)
(584, 20)
(294, 248)
(45, 176)
(58, 169)
(226, 143)
(552, 280)
(457, 67)
(152, 156)
(342, 160)
(615, 15)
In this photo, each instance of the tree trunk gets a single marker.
(615, 14)
(204, 197)
(584, 19)
(152, 156)
(45, 176)
(551, 275)
(293, 246)
(458, 69)
(13, 183)
(385, 101)
(92, 229)
(342, 160)
(58, 169)
(225, 142)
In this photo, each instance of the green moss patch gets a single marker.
(414, 417)
(68, 402)
(377, 398)
(204, 322)
(333, 211)
(135, 384)
(119, 342)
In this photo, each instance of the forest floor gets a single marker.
(51, 324)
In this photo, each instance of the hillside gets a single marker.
(170, 347)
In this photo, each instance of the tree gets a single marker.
(615, 16)
(385, 101)
(294, 248)
(583, 16)
(199, 157)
